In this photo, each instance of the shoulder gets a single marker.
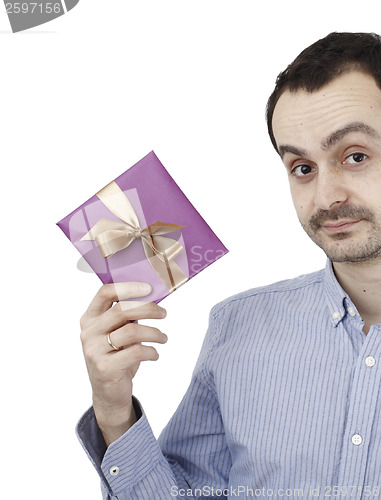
(279, 291)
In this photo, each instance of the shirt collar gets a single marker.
(337, 299)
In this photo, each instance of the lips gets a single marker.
(337, 226)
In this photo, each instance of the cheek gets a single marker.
(367, 191)
(301, 200)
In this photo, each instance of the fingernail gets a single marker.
(145, 287)
(163, 311)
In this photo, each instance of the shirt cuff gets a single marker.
(128, 459)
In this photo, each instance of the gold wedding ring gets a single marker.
(111, 344)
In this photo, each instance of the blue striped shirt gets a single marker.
(284, 402)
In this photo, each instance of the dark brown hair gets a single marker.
(325, 60)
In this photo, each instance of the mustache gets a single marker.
(343, 212)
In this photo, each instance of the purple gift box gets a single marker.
(141, 227)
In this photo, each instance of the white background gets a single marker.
(83, 98)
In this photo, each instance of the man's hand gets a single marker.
(110, 371)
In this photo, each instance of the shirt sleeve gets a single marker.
(191, 453)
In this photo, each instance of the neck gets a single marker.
(362, 282)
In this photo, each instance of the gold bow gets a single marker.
(112, 236)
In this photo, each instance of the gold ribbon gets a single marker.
(112, 236)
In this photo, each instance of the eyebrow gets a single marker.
(286, 148)
(333, 138)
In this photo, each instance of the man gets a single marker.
(285, 398)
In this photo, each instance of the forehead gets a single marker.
(307, 116)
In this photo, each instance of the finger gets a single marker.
(115, 292)
(132, 355)
(133, 333)
(124, 312)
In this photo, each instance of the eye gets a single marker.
(355, 158)
(301, 170)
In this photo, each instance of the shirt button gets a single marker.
(114, 471)
(351, 311)
(370, 361)
(336, 315)
(356, 439)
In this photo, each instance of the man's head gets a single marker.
(325, 60)
(325, 122)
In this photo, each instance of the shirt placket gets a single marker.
(362, 407)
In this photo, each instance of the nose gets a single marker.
(330, 188)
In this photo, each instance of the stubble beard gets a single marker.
(338, 246)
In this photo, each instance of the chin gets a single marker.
(339, 248)
(348, 246)
(351, 256)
